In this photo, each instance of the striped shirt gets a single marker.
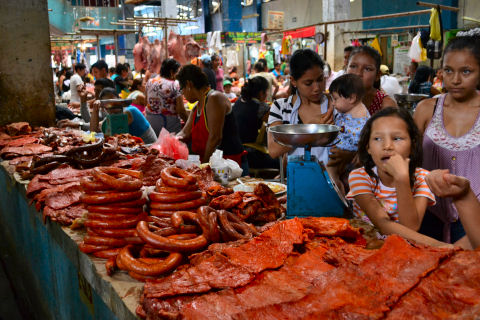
(286, 111)
(361, 183)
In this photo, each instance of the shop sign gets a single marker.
(394, 40)
(401, 60)
(109, 47)
(243, 37)
(275, 20)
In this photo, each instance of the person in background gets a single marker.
(346, 56)
(329, 76)
(233, 73)
(120, 78)
(61, 77)
(111, 73)
(390, 191)
(211, 123)
(450, 125)
(130, 74)
(227, 90)
(412, 68)
(206, 66)
(347, 92)
(100, 69)
(438, 80)
(76, 84)
(277, 70)
(165, 106)
(251, 112)
(259, 68)
(137, 124)
(422, 82)
(388, 83)
(138, 96)
(218, 72)
(307, 104)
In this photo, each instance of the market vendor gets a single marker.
(211, 123)
(137, 124)
(308, 104)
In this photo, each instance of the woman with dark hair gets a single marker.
(422, 82)
(250, 113)
(308, 104)
(218, 72)
(165, 105)
(211, 123)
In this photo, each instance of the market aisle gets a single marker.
(8, 305)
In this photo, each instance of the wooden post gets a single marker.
(115, 40)
(99, 52)
(165, 40)
(325, 38)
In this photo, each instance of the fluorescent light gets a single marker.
(191, 27)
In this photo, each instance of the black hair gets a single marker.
(105, 83)
(370, 52)
(348, 49)
(107, 91)
(127, 65)
(423, 74)
(276, 64)
(415, 137)
(264, 61)
(120, 68)
(303, 60)
(253, 87)
(214, 57)
(346, 85)
(136, 84)
(100, 64)
(414, 63)
(193, 74)
(79, 66)
(259, 66)
(111, 69)
(471, 43)
(169, 65)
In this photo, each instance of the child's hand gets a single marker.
(397, 167)
(445, 184)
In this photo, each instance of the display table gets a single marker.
(51, 277)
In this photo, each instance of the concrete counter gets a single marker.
(51, 277)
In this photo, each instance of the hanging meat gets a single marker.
(156, 57)
(176, 48)
(192, 48)
(141, 53)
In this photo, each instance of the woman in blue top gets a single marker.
(137, 124)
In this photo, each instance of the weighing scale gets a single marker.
(310, 191)
(115, 123)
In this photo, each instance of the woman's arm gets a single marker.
(444, 184)
(216, 108)
(186, 131)
(94, 120)
(275, 150)
(388, 102)
(423, 114)
(379, 217)
(180, 108)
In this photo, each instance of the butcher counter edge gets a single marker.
(53, 278)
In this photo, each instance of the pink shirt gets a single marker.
(219, 79)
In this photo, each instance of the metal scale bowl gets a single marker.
(310, 190)
(115, 123)
(408, 100)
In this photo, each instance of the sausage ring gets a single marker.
(114, 210)
(113, 233)
(90, 248)
(174, 197)
(160, 242)
(177, 178)
(161, 187)
(104, 241)
(179, 217)
(118, 184)
(115, 224)
(162, 213)
(109, 197)
(230, 229)
(108, 217)
(192, 204)
(106, 254)
(203, 221)
(148, 269)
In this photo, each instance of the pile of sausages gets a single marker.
(176, 190)
(113, 198)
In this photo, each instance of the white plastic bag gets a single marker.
(415, 51)
(224, 169)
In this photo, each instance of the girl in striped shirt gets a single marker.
(390, 189)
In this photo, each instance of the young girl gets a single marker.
(451, 128)
(347, 92)
(365, 62)
(390, 190)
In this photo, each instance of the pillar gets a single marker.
(26, 79)
(335, 10)
(232, 16)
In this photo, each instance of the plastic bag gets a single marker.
(170, 146)
(224, 169)
(416, 51)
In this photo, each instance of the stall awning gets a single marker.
(301, 33)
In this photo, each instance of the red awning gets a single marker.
(301, 33)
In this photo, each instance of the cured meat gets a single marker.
(22, 141)
(152, 169)
(17, 128)
(68, 197)
(66, 215)
(63, 173)
(364, 291)
(176, 49)
(233, 266)
(36, 185)
(332, 227)
(192, 48)
(156, 57)
(453, 288)
(25, 150)
(141, 53)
